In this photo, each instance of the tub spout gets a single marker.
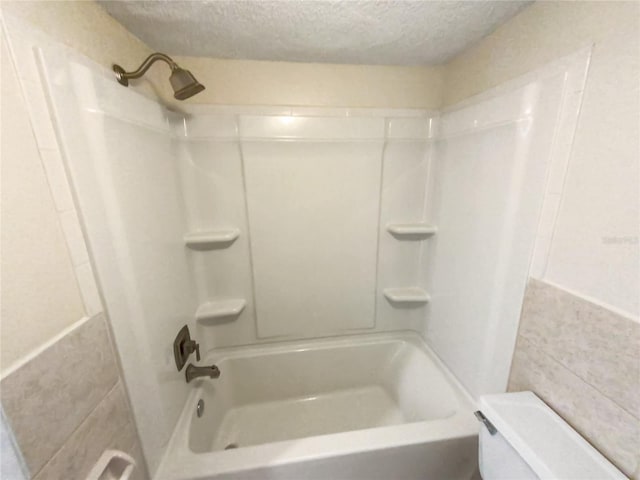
(194, 372)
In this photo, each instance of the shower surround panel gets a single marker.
(248, 225)
(121, 155)
(254, 225)
(311, 192)
(313, 208)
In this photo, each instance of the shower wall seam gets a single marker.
(248, 223)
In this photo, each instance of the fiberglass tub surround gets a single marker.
(296, 243)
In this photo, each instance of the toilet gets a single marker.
(522, 438)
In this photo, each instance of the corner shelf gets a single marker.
(220, 309)
(407, 295)
(409, 231)
(211, 239)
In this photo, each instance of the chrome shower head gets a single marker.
(182, 81)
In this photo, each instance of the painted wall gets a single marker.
(40, 296)
(594, 248)
(246, 82)
(41, 293)
(86, 27)
(536, 36)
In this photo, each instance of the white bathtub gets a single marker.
(362, 407)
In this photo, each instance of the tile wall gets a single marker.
(68, 404)
(583, 360)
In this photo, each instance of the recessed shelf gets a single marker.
(410, 231)
(220, 309)
(408, 295)
(211, 239)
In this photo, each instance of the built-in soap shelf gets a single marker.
(211, 239)
(407, 295)
(220, 310)
(112, 465)
(411, 231)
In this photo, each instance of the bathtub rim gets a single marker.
(180, 462)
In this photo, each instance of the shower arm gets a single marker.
(123, 77)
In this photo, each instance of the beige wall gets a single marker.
(536, 36)
(40, 294)
(594, 252)
(85, 26)
(244, 82)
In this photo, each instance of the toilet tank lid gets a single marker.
(544, 440)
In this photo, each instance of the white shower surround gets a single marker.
(143, 345)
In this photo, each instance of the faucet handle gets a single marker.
(191, 346)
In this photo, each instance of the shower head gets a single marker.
(184, 84)
(182, 81)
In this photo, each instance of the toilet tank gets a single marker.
(533, 442)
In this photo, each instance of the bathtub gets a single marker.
(363, 407)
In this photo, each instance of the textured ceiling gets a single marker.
(391, 32)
